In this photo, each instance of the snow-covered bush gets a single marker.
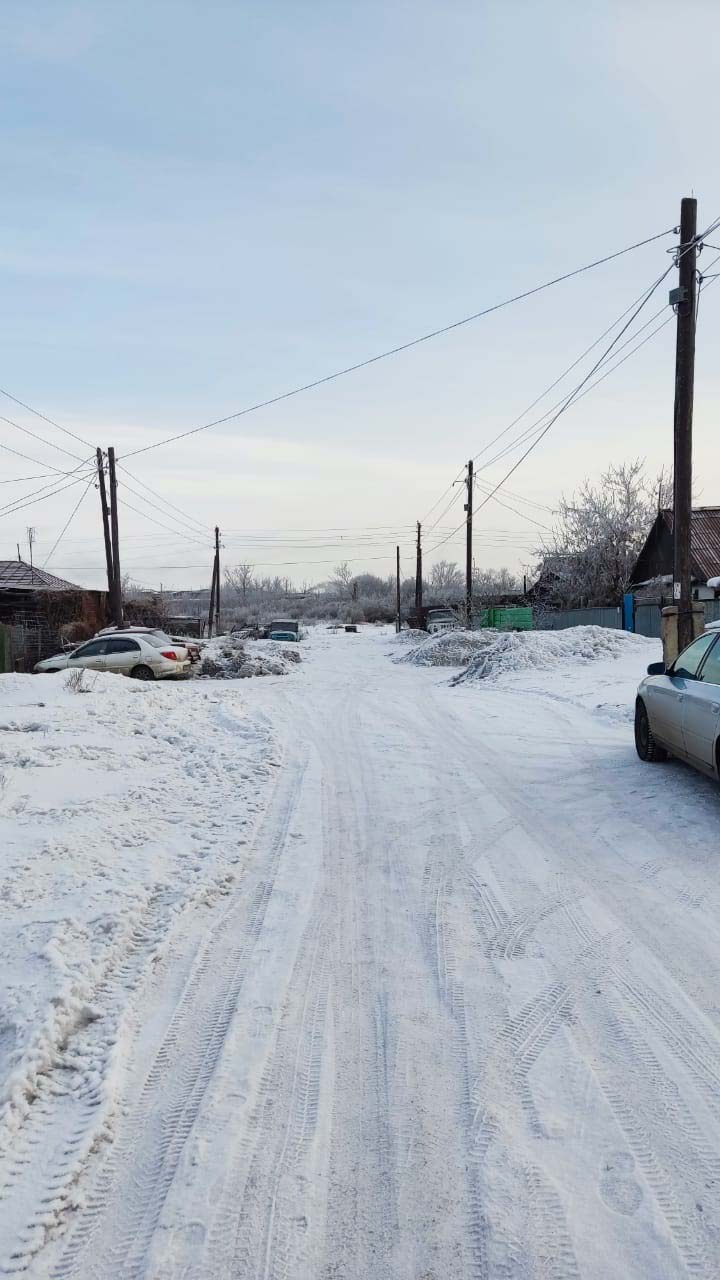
(508, 652)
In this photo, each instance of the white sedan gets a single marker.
(141, 654)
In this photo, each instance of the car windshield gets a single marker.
(157, 642)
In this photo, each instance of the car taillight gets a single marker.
(169, 653)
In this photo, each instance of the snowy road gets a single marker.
(458, 1018)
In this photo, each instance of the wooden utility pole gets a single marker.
(116, 602)
(685, 297)
(468, 547)
(211, 610)
(397, 588)
(418, 577)
(217, 581)
(106, 524)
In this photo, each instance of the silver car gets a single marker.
(677, 711)
(142, 655)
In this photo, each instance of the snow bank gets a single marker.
(233, 657)
(450, 649)
(408, 635)
(121, 803)
(505, 653)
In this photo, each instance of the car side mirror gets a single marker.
(656, 669)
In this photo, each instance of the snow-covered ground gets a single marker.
(455, 1015)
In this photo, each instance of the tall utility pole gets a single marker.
(211, 610)
(468, 547)
(217, 581)
(418, 576)
(116, 595)
(397, 588)
(106, 524)
(685, 299)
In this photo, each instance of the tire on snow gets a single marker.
(646, 744)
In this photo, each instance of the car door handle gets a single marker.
(681, 697)
(715, 706)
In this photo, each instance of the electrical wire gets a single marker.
(699, 239)
(405, 346)
(26, 499)
(45, 418)
(186, 517)
(26, 430)
(21, 506)
(26, 458)
(187, 532)
(568, 401)
(145, 516)
(70, 519)
(528, 432)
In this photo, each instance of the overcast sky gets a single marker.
(207, 204)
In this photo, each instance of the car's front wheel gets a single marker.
(646, 744)
(142, 673)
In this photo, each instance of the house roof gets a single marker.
(704, 541)
(15, 575)
(655, 557)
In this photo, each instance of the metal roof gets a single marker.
(704, 541)
(15, 575)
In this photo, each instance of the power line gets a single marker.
(26, 430)
(70, 519)
(26, 499)
(21, 506)
(45, 418)
(570, 398)
(187, 532)
(36, 461)
(528, 432)
(405, 346)
(145, 516)
(188, 518)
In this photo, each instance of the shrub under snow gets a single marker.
(508, 652)
(449, 649)
(229, 657)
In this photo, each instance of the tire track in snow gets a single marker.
(133, 1182)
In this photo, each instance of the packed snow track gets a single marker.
(456, 1019)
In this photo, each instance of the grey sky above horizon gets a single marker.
(207, 205)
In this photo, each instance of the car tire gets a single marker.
(646, 744)
(142, 672)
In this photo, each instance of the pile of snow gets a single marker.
(235, 657)
(121, 804)
(505, 653)
(408, 635)
(449, 649)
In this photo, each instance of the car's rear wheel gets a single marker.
(645, 742)
(142, 673)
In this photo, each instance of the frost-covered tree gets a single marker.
(240, 578)
(446, 576)
(597, 536)
(489, 584)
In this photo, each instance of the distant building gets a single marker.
(38, 611)
(653, 571)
